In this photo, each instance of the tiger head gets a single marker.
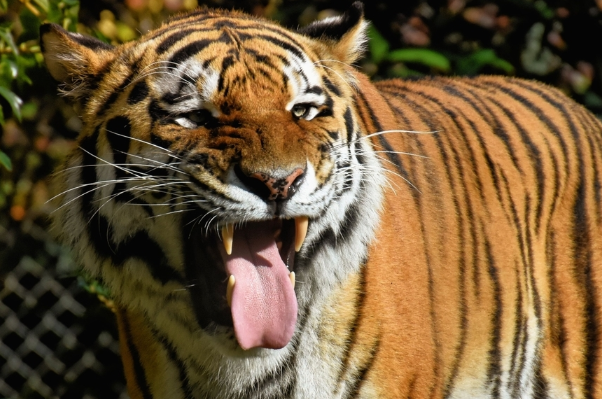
(220, 158)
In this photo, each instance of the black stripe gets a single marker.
(520, 328)
(177, 361)
(583, 267)
(558, 305)
(118, 132)
(88, 172)
(356, 387)
(314, 89)
(139, 93)
(348, 117)
(521, 360)
(116, 92)
(139, 373)
(267, 75)
(141, 246)
(227, 62)
(87, 41)
(190, 50)
(494, 370)
(390, 151)
(351, 340)
(353, 218)
(461, 345)
(261, 59)
(291, 47)
(196, 16)
(174, 38)
(331, 87)
(128, 198)
(158, 115)
(530, 265)
(540, 385)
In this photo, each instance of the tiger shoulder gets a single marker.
(271, 224)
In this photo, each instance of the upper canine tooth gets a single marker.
(291, 276)
(228, 237)
(301, 223)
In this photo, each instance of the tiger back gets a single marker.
(271, 224)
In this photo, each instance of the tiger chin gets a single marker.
(271, 224)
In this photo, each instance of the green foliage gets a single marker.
(475, 62)
(5, 161)
(20, 54)
(378, 45)
(426, 57)
(13, 100)
(93, 286)
(401, 62)
(380, 54)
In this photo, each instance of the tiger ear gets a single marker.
(345, 34)
(73, 59)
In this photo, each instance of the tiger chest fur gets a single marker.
(273, 225)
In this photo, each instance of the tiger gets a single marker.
(271, 223)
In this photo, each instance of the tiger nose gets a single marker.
(273, 187)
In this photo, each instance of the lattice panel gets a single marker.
(56, 339)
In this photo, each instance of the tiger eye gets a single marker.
(199, 117)
(300, 110)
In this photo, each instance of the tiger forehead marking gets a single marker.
(226, 59)
(274, 225)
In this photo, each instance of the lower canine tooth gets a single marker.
(228, 237)
(301, 223)
(291, 275)
(230, 289)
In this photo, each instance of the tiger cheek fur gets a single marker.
(272, 224)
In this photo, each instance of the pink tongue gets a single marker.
(264, 305)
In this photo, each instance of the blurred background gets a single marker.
(57, 333)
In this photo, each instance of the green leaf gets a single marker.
(93, 286)
(13, 100)
(29, 110)
(1, 117)
(592, 100)
(9, 70)
(25, 63)
(5, 161)
(7, 37)
(63, 13)
(422, 56)
(543, 9)
(43, 4)
(3, 5)
(30, 24)
(472, 64)
(378, 45)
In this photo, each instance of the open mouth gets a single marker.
(256, 279)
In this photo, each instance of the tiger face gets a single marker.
(220, 158)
